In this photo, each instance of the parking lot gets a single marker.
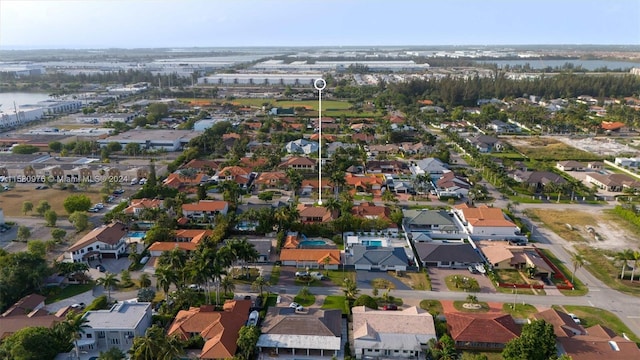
(438, 276)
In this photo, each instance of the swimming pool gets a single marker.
(136, 234)
(313, 243)
(372, 243)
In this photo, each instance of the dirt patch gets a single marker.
(594, 228)
(11, 201)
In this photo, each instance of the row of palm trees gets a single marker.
(626, 257)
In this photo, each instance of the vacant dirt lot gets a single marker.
(11, 201)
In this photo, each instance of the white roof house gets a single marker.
(398, 334)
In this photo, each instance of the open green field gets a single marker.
(522, 311)
(599, 264)
(546, 149)
(11, 201)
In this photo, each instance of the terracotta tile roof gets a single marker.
(368, 210)
(612, 125)
(176, 180)
(362, 180)
(218, 328)
(482, 328)
(291, 242)
(269, 176)
(298, 161)
(142, 204)
(484, 216)
(11, 324)
(206, 205)
(230, 136)
(563, 324)
(308, 211)
(327, 137)
(599, 343)
(253, 163)
(317, 255)
(234, 171)
(192, 235)
(313, 184)
(201, 164)
(108, 234)
(168, 246)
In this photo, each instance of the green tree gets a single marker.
(367, 301)
(113, 146)
(227, 285)
(108, 281)
(155, 345)
(260, 283)
(624, 256)
(77, 202)
(145, 280)
(536, 342)
(443, 349)
(125, 278)
(80, 220)
(350, 289)
(30, 343)
(132, 149)
(23, 233)
(37, 248)
(55, 146)
(27, 206)
(112, 354)
(71, 329)
(58, 234)
(146, 294)
(42, 207)
(20, 273)
(265, 196)
(50, 217)
(247, 340)
(577, 260)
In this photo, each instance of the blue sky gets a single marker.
(210, 23)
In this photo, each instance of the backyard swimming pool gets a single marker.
(136, 234)
(313, 243)
(372, 243)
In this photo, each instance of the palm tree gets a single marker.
(472, 299)
(164, 278)
(71, 328)
(350, 289)
(176, 260)
(145, 281)
(227, 285)
(260, 283)
(108, 281)
(578, 261)
(624, 256)
(635, 256)
(154, 345)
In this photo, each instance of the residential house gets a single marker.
(595, 165)
(429, 166)
(570, 165)
(447, 255)
(382, 150)
(391, 334)
(593, 343)
(253, 162)
(301, 146)
(434, 223)
(451, 185)
(205, 209)
(27, 312)
(612, 182)
(481, 332)
(245, 220)
(106, 241)
(272, 180)
(298, 163)
(137, 206)
(500, 127)
(263, 246)
(316, 214)
(371, 211)
(184, 179)
(202, 166)
(315, 332)
(219, 329)
(378, 258)
(185, 239)
(627, 162)
(537, 179)
(504, 255)
(311, 258)
(408, 148)
(240, 175)
(486, 222)
(333, 147)
(612, 126)
(387, 167)
(309, 186)
(115, 327)
(365, 183)
(486, 143)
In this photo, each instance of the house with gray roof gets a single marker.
(301, 146)
(314, 332)
(446, 255)
(378, 258)
(428, 166)
(391, 334)
(334, 146)
(440, 224)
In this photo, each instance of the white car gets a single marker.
(253, 318)
(575, 318)
(301, 273)
(295, 305)
(142, 181)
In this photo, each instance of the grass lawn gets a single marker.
(68, 291)
(238, 275)
(451, 284)
(363, 197)
(305, 300)
(590, 316)
(521, 311)
(275, 275)
(506, 290)
(579, 288)
(598, 264)
(458, 305)
(414, 280)
(336, 302)
(272, 300)
(337, 276)
(432, 306)
(550, 149)
(510, 276)
(557, 221)
(11, 201)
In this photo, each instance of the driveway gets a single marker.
(364, 278)
(438, 276)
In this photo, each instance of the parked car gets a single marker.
(118, 191)
(390, 307)
(301, 273)
(142, 181)
(575, 318)
(317, 275)
(253, 318)
(78, 306)
(93, 210)
(295, 305)
(473, 270)
(196, 287)
(99, 206)
(101, 268)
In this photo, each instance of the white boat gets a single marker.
(481, 269)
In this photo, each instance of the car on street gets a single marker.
(99, 206)
(93, 210)
(295, 305)
(78, 306)
(100, 268)
(302, 273)
(390, 307)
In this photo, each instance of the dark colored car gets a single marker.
(101, 268)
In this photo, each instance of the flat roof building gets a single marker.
(169, 140)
